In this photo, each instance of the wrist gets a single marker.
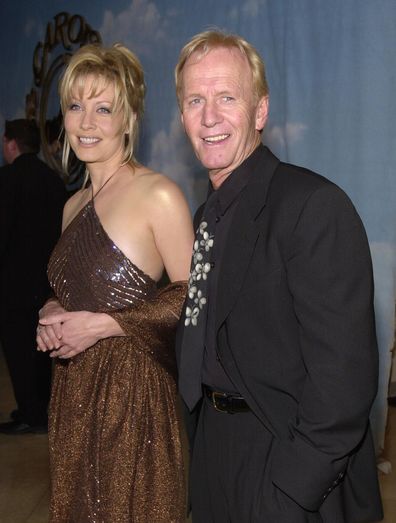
(106, 326)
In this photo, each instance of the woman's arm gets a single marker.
(171, 225)
(79, 331)
(49, 333)
(170, 222)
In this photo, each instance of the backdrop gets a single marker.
(332, 74)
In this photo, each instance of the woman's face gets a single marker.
(94, 131)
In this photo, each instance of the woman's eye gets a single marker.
(74, 107)
(104, 110)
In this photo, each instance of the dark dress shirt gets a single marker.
(228, 195)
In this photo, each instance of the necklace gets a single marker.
(105, 183)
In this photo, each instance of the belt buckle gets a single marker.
(218, 395)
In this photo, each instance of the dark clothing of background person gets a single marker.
(31, 201)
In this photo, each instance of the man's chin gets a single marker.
(212, 164)
(211, 160)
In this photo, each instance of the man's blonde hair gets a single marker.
(115, 65)
(214, 39)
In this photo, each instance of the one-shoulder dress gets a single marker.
(114, 432)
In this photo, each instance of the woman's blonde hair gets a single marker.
(214, 39)
(114, 65)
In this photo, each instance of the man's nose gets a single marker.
(210, 114)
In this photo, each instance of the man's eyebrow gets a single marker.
(193, 95)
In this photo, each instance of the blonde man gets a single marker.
(277, 351)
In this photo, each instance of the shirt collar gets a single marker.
(230, 189)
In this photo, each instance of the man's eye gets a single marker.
(195, 101)
(228, 98)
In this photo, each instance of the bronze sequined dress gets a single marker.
(115, 449)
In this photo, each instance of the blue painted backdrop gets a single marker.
(332, 73)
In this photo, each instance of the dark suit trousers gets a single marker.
(230, 473)
(30, 370)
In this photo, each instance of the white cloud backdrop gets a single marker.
(134, 24)
(171, 154)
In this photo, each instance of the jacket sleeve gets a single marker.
(8, 208)
(330, 277)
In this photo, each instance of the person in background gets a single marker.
(31, 200)
(114, 434)
(277, 351)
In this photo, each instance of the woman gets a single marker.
(115, 449)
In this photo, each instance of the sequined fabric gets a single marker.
(115, 449)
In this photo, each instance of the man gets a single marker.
(31, 201)
(277, 352)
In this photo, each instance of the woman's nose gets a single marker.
(87, 120)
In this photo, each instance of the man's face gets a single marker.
(220, 112)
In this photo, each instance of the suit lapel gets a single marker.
(244, 232)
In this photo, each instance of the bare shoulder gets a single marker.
(161, 192)
(169, 219)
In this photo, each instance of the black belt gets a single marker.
(223, 402)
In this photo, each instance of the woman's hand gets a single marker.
(49, 335)
(81, 330)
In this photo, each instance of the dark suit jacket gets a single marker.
(295, 332)
(31, 200)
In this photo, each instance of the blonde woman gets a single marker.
(114, 432)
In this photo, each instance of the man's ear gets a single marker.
(182, 119)
(262, 113)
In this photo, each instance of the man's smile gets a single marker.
(216, 138)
